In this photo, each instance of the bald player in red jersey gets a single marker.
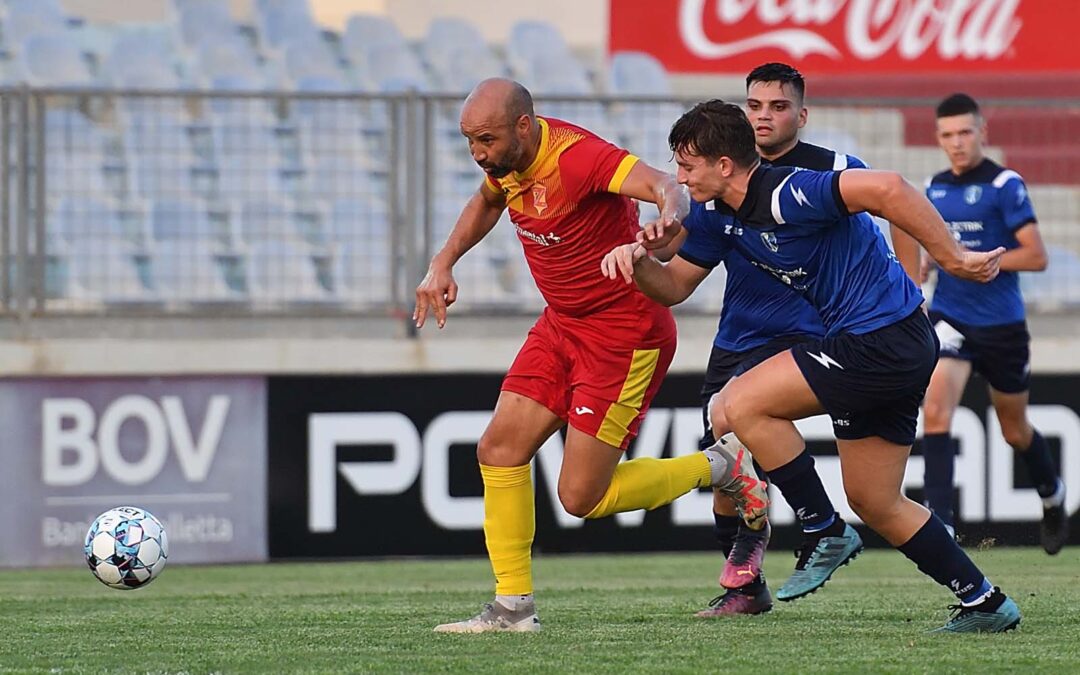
(594, 359)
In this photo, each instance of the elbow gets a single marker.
(893, 186)
(1041, 262)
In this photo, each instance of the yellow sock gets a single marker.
(647, 483)
(509, 526)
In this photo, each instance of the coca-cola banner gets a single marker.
(851, 36)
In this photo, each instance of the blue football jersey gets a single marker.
(757, 308)
(983, 208)
(794, 225)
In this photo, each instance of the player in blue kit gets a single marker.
(870, 370)
(760, 318)
(981, 326)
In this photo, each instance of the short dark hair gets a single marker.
(958, 104)
(714, 129)
(778, 72)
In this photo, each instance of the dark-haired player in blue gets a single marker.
(981, 326)
(869, 372)
(760, 318)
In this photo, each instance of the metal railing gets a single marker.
(193, 203)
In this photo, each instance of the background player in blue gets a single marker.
(982, 326)
(760, 318)
(870, 370)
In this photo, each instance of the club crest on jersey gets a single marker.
(769, 239)
(972, 193)
(539, 193)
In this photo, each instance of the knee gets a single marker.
(717, 417)
(873, 509)
(937, 418)
(492, 451)
(578, 502)
(732, 408)
(1018, 436)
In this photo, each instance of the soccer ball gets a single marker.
(126, 548)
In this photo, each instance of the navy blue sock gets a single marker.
(801, 486)
(725, 529)
(938, 475)
(1040, 465)
(937, 555)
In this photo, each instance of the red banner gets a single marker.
(851, 36)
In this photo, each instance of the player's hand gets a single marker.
(436, 292)
(979, 265)
(658, 233)
(621, 260)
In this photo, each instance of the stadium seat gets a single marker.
(637, 74)
(362, 220)
(205, 23)
(466, 67)
(300, 6)
(270, 219)
(68, 131)
(309, 62)
(53, 61)
(367, 31)
(104, 270)
(228, 64)
(29, 19)
(283, 24)
(282, 271)
(74, 175)
(362, 271)
(455, 50)
(173, 219)
(338, 176)
(395, 68)
(189, 271)
(141, 60)
(446, 35)
(75, 220)
(533, 42)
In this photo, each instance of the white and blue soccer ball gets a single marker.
(126, 548)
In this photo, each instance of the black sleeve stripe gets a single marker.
(836, 194)
(696, 261)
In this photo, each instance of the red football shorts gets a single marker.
(598, 372)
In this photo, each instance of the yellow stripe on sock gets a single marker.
(623, 411)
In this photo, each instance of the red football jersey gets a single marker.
(569, 215)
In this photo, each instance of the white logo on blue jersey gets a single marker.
(769, 240)
(972, 194)
(800, 198)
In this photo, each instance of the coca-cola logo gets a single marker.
(955, 29)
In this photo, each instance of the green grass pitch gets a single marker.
(601, 613)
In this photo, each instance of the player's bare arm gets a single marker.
(888, 195)
(666, 252)
(438, 290)
(652, 185)
(908, 252)
(666, 283)
(1030, 255)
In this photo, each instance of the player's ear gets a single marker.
(803, 113)
(524, 124)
